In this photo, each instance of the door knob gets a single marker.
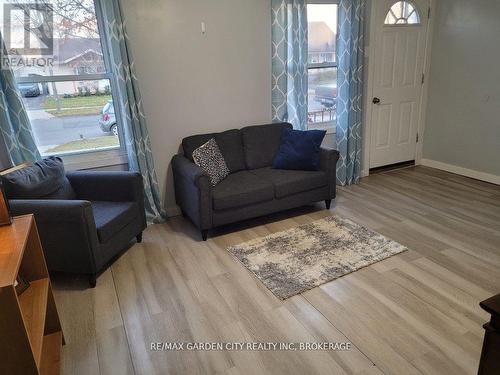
(376, 100)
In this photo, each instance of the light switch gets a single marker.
(203, 28)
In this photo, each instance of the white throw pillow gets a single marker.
(210, 159)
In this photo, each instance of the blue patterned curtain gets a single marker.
(289, 62)
(350, 44)
(15, 125)
(128, 98)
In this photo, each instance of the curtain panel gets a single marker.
(350, 55)
(15, 125)
(137, 141)
(289, 62)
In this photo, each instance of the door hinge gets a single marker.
(429, 13)
(423, 78)
(416, 138)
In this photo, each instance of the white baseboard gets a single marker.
(173, 211)
(494, 179)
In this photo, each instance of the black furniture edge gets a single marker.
(490, 359)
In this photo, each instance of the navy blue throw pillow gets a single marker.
(299, 150)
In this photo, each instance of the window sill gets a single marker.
(95, 159)
(328, 126)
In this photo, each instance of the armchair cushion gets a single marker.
(111, 217)
(45, 179)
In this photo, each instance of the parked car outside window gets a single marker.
(108, 119)
(29, 90)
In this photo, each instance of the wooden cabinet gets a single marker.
(30, 331)
(490, 358)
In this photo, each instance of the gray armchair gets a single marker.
(86, 220)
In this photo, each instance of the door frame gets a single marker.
(369, 87)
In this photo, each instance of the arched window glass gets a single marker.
(402, 13)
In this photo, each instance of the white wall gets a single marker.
(193, 83)
(463, 119)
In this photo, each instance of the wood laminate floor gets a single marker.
(414, 313)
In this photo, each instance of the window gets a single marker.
(322, 65)
(402, 13)
(68, 93)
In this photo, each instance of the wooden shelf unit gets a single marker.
(29, 324)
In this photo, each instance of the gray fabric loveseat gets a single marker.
(253, 188)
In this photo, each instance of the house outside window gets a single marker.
(70, 99)
(322, 65)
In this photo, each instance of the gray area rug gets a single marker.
(301, 258)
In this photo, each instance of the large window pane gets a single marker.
(60, 39)
(72, 116)
(322, 30)
(73, 36)
(322, 89)
(322, 95)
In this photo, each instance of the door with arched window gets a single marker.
(401, 28)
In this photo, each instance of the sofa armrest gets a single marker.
(328, 163)
(182, 166)
(67, 232)
(193, 191)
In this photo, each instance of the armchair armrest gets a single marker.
(67, 231)
(328, 163)
(52, 209)
(193, 191)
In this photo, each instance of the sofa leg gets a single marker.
(139, 238)
(204, 234)
(328, 203)
(93, 280)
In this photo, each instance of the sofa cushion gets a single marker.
(111, 217)
(44, 179)
(230, 145)
(241, 189)
(210, 159)
(289, 182)
(299, 150)
(261, 143)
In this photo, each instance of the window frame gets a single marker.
(329, 126)
(404, 24)
(87, 159)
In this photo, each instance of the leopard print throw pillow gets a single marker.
(210, 159)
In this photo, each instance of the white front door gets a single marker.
(401, 28)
